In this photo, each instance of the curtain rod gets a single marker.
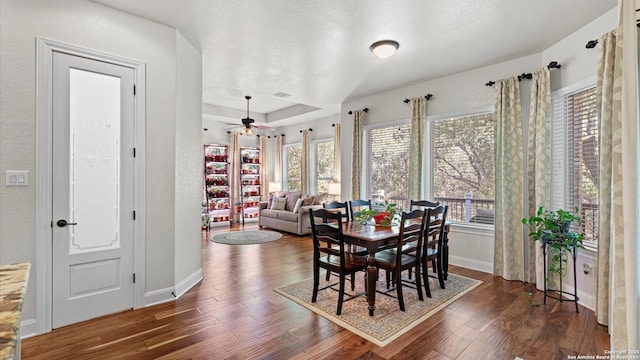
(428, 97)
(365, 110)
(274, 136)
(529, 76)
(310, 129)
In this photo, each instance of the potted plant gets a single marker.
(383, 216)
(553, 228)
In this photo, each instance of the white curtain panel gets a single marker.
(234, 174)
(356, 161)
(509, 243)
(416, 139)
(337, 159)
(539, 165)
(617, 91)
(306, 143)
(264, 167)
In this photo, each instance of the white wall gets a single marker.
(466, 92)
(188, 166)
(87, 24)
(578, 62)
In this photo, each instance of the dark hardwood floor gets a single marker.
(235, 314)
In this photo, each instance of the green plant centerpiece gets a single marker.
(383, 214)
(553, 228)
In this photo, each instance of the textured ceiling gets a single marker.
(318, 51)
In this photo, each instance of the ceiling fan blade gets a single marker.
(263, 127)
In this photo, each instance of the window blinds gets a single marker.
(575, 152)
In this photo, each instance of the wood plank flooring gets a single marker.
(235, 314)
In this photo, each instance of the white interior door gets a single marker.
(93, 188)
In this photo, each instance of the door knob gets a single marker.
(63, 223)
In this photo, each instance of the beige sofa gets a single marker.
(286, 220)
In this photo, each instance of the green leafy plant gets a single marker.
(553, 228)
(384, 213)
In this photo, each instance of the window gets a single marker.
(575, 116)
(324, 165)
(387, 164)
(293, 173)
(462, 158)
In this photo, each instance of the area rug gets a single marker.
(388, 322)
(246, 237)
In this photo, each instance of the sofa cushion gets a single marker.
(291, 197)
(268, 213)
(279, 204)
(287, 216)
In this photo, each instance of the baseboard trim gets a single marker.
(471, 264)
(189, 282)
(28, 328)
(170, 294)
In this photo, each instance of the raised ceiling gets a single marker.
(318, 51)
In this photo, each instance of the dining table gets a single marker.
(374, 237)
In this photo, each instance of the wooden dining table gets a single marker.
(372, 238)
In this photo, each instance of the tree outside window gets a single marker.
(462, 150)
(388, 164)
(324, 165)
(294, 168)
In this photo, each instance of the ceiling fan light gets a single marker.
(384, 48)
(247, 131)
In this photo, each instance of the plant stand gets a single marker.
(557, 293)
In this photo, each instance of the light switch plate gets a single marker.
(17, 178)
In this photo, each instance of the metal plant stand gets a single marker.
(557, 293)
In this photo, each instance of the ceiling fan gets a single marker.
(250, 123)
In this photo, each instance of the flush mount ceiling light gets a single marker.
(384, 48)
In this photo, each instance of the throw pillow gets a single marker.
(278, 203)
(308, 200)
(321, 198)
(298, 206)
(292, 197)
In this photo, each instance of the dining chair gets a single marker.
(336, 259)
(422, 204)
(356, 207)
(434, 234)
(338, 205)
(394, 261)
(344, 210)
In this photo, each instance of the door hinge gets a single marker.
(134, 90)
(134, 214)
(134, 152)
(134, 278)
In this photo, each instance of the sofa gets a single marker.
(294, 217)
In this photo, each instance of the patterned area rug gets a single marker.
(246, 237)
(388, 322)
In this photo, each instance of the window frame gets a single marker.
(313, 176)
(285, 168)
(428, 173)
(365, 191)
(561, 173)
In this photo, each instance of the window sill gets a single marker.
(589, 249)
(476, 229)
